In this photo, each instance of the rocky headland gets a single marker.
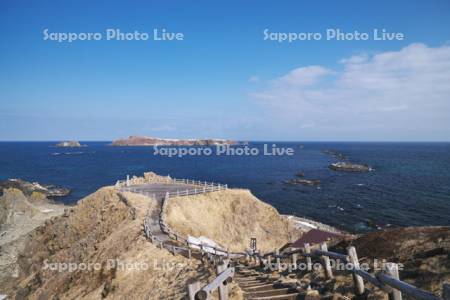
(107, 225)
(152, 141)
(28, 188)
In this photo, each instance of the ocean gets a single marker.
(410, 184)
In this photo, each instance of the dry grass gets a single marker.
(231, 218)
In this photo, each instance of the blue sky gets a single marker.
(223, 80)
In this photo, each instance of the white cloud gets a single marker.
(303, 76)
(254, 79)
(401, 94)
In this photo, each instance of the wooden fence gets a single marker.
(225, 275)
(387, 280)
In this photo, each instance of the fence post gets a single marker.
(277, 253)
(223, 289)
(357, 280)
(193, 288)
(391, 269)
(294, 259)
(446, 291)
(308, 258)
(326, 261)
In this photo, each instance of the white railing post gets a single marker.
(326, 261)
(391, 269)
(193, 288)
(294, 260)
(358, 280)
(278, 260)
(223, 289)
(308, 257)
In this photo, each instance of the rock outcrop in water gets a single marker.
(349, 167)
(69, 144)
(298, 181)
(334, 154)
(152, 141)
(28, 188)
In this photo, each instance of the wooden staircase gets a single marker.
(259, 286)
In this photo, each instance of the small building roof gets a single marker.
(315, 236)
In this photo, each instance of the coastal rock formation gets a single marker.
(29, 188)
(349, 167)
(298, 181)
(231, 218)
(151, 141)
(69, 144)
(20, 213)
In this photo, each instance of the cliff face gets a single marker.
(231, 218)
(151, 141)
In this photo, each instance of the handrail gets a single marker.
(228, 273)
(386, 280)
(225, 275)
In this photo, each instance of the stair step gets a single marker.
(293, 296)
(261, 287)
(251, 282)
(274, 292)
(254, 284)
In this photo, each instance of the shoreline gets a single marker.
(308, 224)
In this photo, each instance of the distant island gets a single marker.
(152, 141)
(69, 144)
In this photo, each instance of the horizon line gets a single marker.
(251, 141)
